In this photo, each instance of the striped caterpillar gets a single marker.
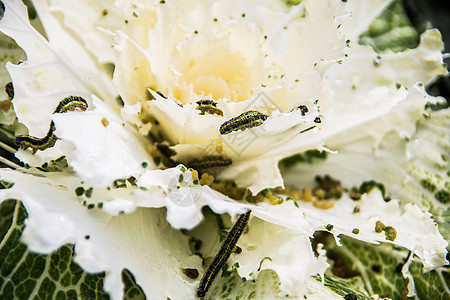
(208, 106)
(224, 253)
(70, 104)
(244, 121)
(209, 163)
(67, 104)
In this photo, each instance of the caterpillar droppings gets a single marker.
(303, 109)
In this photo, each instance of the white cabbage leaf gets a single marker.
(120, 208)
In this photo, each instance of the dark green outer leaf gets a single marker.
(28, 275)
(380, 267)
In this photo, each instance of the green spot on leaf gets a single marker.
(367, 186)
(442, 196)
(428, 185)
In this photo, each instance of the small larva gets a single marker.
(70, 104)
(245, 120)
(224, 253)
(209, 163)
(208, 106)
(67, 104)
